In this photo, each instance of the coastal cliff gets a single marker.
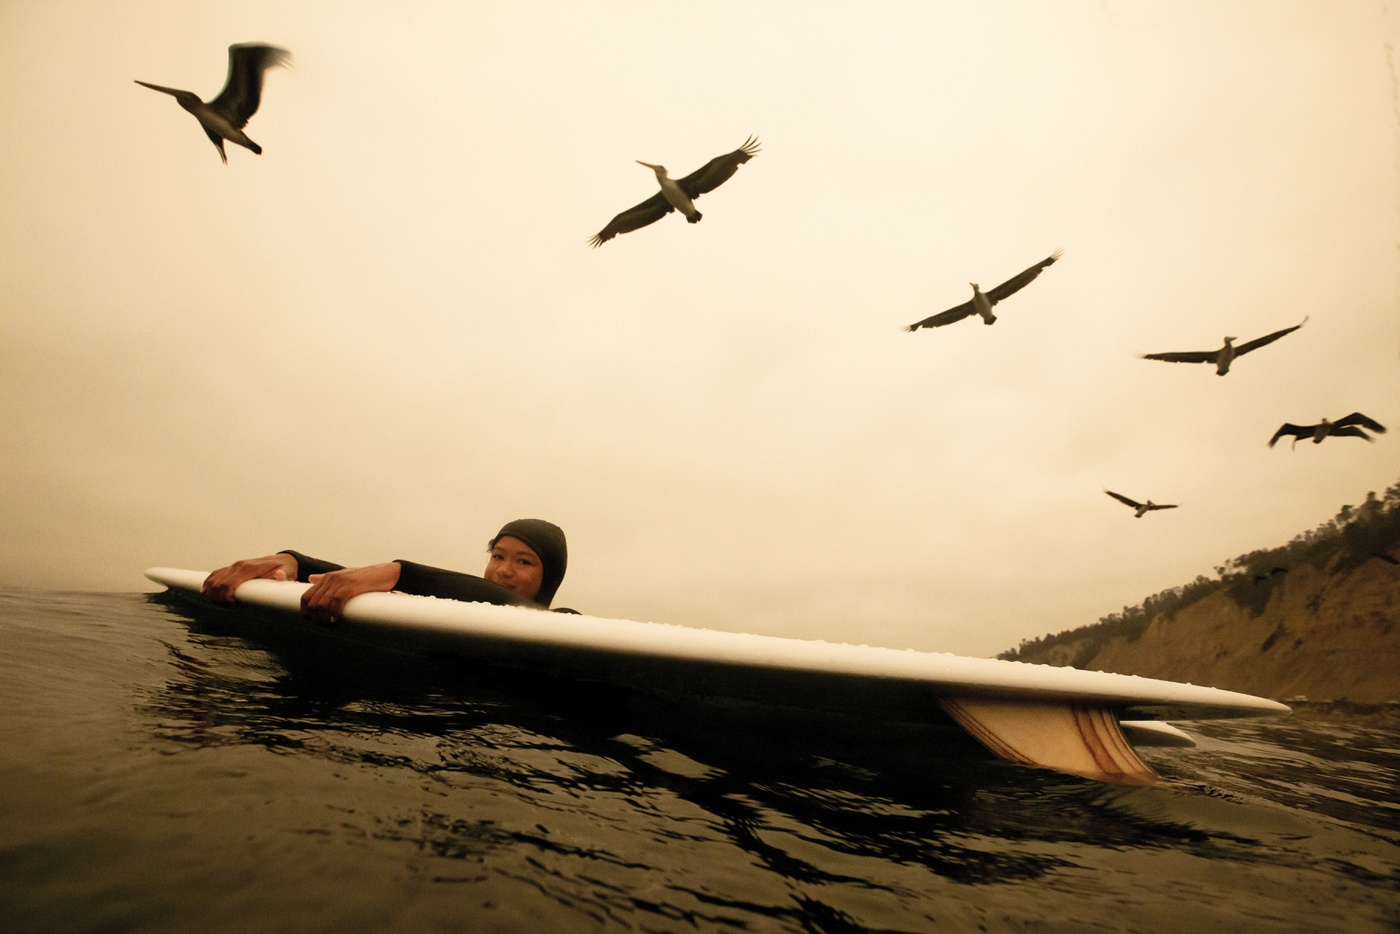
(1318, 618)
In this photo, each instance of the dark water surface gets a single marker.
(169, 767)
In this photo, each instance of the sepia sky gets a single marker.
(387, 335)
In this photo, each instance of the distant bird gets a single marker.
(1275, 571)
(1142, 508)
(677, 195)
(1226, 355)
(224, 117)
(981, 302)
(1342, 427)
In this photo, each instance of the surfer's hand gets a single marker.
(220, 585)
(324, 601)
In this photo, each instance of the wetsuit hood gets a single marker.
(547, 541)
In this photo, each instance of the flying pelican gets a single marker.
(677, 195)
(1142, 508)
(981, 302)
(1226, 355)
(1342, 427)
(225, 116)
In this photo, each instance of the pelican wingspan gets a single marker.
(1010, 287)
(706, 178)
(1225, 355)
(1352, 426)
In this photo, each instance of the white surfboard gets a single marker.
(1059, 718)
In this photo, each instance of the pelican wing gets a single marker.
(1356, 418)
(1019, 281)
(1288, 428)
(1267, 339)
(1350, 431)
(943, 317)
(648, 212)
(243, 90)
(718, 170)
(1162, 506)
(1183, 356)
(1123, 499)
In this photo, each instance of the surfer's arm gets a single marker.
(220, 585)
(324, 601)
(429, 581)
(306, 566)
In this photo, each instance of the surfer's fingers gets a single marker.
(220, 585)
(311, 602)
(324, 600)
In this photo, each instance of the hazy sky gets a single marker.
(387, 335)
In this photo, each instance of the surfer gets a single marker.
(526, 564)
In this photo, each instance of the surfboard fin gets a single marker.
(1078, 739)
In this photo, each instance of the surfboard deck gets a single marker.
(1058, 718)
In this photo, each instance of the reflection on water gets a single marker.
(285, 773)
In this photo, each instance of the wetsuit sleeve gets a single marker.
(453, 585)
(308, 566)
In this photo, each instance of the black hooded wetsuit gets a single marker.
(427, 581)
(545, 538)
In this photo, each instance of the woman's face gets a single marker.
(514, 564)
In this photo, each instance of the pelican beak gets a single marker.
(648, 165)
(155, 87)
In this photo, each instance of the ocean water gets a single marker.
(166, 766)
